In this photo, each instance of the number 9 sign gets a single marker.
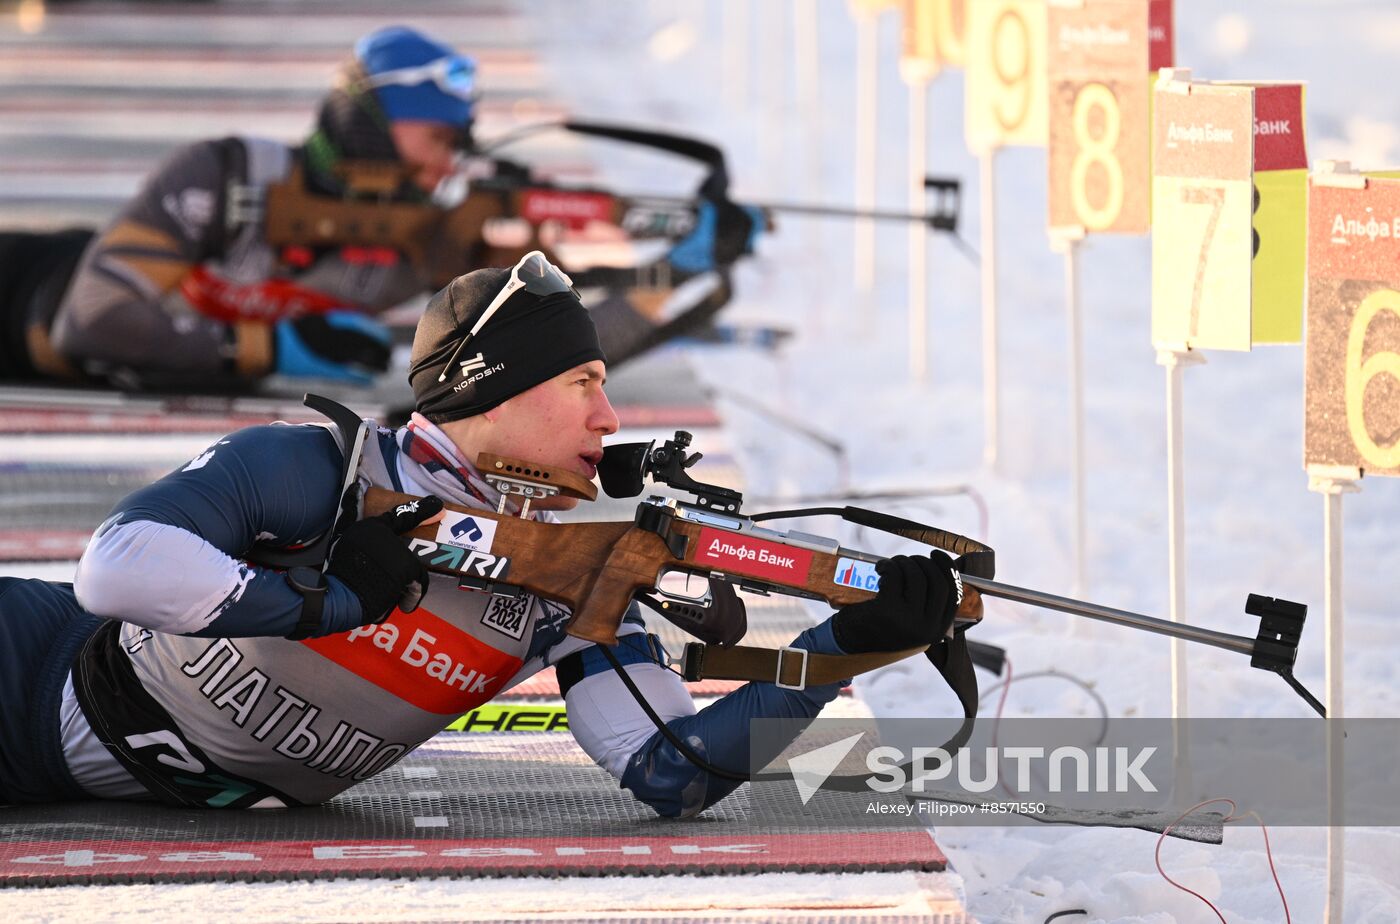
(1097, 58)
(1005, 73)
(1352, 416)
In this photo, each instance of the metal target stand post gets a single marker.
(1175, 360)
(919, 66)
(867, 17)
(1067, 240)
(991, 372)
(1332, 482)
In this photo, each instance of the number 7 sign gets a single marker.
(1202, 162)
(1226, 272)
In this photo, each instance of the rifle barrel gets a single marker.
(842, 212)
(1237, 643)
(804, 208)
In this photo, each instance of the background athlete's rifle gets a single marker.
(597, 568)
(654, 215)
(444, 243)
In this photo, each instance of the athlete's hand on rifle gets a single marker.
(335, 345)
(372, 560)
(724, 231)
(914, 607)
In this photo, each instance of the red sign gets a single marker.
(270, 300)
(1278, 128)
(422, 659)
(757, 557)
(574, 209)
(1161, 39)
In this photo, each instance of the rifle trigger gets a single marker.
(692, 661)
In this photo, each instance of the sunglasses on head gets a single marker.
(454, 75)
(535, 275)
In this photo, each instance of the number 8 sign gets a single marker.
(1098, 56)
(1352, 338)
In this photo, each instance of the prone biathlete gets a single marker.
(189, 288)
(177, 669)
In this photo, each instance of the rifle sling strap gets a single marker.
(791, 668)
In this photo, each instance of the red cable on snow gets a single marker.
(996, 719)
(1157, 855)
(1268, 852)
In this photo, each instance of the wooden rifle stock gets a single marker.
(596, 568)
(441, 243)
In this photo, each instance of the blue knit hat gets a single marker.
(415, 77)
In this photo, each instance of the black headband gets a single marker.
(529, 340)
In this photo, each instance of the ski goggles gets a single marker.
(454, 75)
(536, 275)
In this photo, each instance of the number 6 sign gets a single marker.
(1352, 389)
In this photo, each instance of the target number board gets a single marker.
(1227, 272)
(1005, 90)
(1097, 56)
(933, 36)
(1352, 341)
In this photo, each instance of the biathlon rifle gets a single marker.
(647, 215)
(443, 243)
(596, 569)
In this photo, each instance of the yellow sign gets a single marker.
(1280, 212)
(1005, 74)
(1097, 58)
(871, 7)
(950, 31)
(513, 717)
(919, 61)
(932, 38)
(1352, 384)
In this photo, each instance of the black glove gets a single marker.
(915, 605)
(737, 227)
(372, 560)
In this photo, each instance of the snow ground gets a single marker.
(1252, 524)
